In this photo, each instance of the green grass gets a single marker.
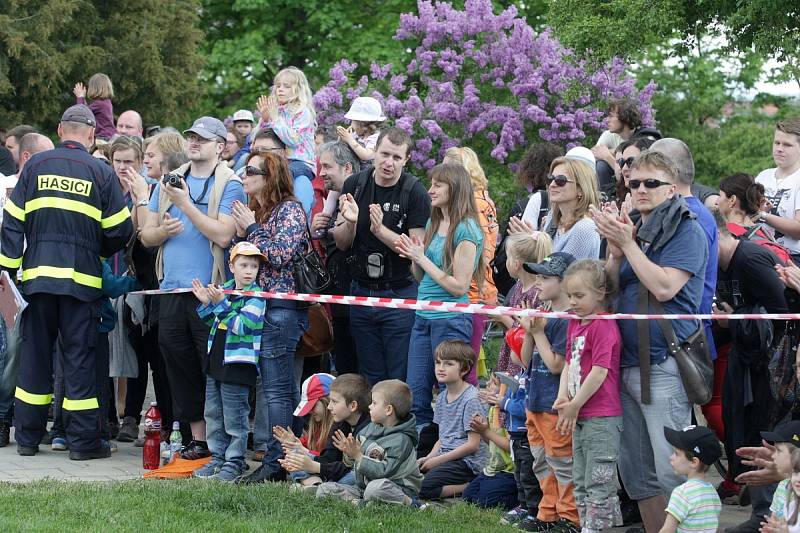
(193, 505)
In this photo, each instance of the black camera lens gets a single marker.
(174, 180)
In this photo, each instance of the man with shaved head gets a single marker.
(32, 143)
(130, 123)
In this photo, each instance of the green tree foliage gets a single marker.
(248, 41)
(149, 49)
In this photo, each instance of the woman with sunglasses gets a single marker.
(626, 153)
(572, 187)
(275, 222)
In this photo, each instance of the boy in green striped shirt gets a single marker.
(693, 506)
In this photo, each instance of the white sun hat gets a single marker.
(582, 154)
(365, 109)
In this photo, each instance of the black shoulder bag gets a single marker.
(308, 269)
(692, 355)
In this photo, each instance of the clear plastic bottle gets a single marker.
(175, 441)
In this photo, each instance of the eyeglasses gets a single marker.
(261, 150)
(559, 180)
(649, 183)
(622, 162)
(254, 171)
(196, 139)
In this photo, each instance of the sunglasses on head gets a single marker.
(649, 183)
(254, 171)
(559, 180)
(622, 162)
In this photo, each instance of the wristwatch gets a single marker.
(142, 203)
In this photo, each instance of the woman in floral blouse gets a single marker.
(275, 222)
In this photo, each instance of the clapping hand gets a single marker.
(410, 247)
(479, 424)
(242, 215)
(296, 462)
(348, 208)
(516, 226)
(345, 134)
(200, 292)
(347, 445)
(215, 293)
(171, 226)
(268, 107)
(375, 218)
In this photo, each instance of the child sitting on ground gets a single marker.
(459, 455)
(314, 404)
(543, 350)
(588, 403)
(495, 486)
(348, 403)
(383, 455)
(233, 347)
(695, 505)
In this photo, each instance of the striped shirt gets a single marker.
(696, 506)
(243, 318)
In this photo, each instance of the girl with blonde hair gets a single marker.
(289, 112)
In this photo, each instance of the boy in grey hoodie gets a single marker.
(383, 455)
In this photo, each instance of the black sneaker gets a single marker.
(103, 452)
(196, 449)
(27, 451)
(566, 526)
(534, 524)
(5, 434)
(514, 516)
(129, 431)
(262, 474)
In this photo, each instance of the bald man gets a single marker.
(32, 143)
(130, 123)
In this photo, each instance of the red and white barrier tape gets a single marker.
(481, 309)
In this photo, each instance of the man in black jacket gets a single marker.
(69, 209)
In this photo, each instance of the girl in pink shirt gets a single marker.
(588, 401)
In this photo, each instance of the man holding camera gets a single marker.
(376, 206)
(188, 218)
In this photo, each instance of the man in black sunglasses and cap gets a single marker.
(658, 252)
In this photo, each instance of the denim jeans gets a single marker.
(283, 328)
(426, 335)
(226, 421)
(382, 334)
(261, 428)
(644, 465)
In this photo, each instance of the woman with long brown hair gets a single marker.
(447, 261)
(275, 222)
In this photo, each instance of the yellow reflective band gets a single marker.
(33, 399)
(10, 262)
(80, 405)
(14, 211)
(65, 204)
(118, 218)
(62, 273)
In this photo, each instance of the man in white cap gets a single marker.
(188, 218)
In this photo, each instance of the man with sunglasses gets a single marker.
(192, 226)
(660, 248)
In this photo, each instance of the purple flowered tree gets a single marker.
(483, 80)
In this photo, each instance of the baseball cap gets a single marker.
(700, 441)
(79, 113)
(209, 128)
(246, 248)
(582, 154)
(365, 109)
(243, 114)
(788, 432)
(315, 387)
(554, 264)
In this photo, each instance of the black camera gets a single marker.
(174, 180)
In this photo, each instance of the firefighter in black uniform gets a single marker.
(66, 213)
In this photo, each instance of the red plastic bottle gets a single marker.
(152, 436)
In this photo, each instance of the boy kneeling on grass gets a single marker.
(459, 455)
(233, 347)
(383, 454)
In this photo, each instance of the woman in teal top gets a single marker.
(446, 262)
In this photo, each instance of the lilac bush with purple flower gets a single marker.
(483, 80)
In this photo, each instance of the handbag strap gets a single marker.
(666, 326)
(643, 329)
